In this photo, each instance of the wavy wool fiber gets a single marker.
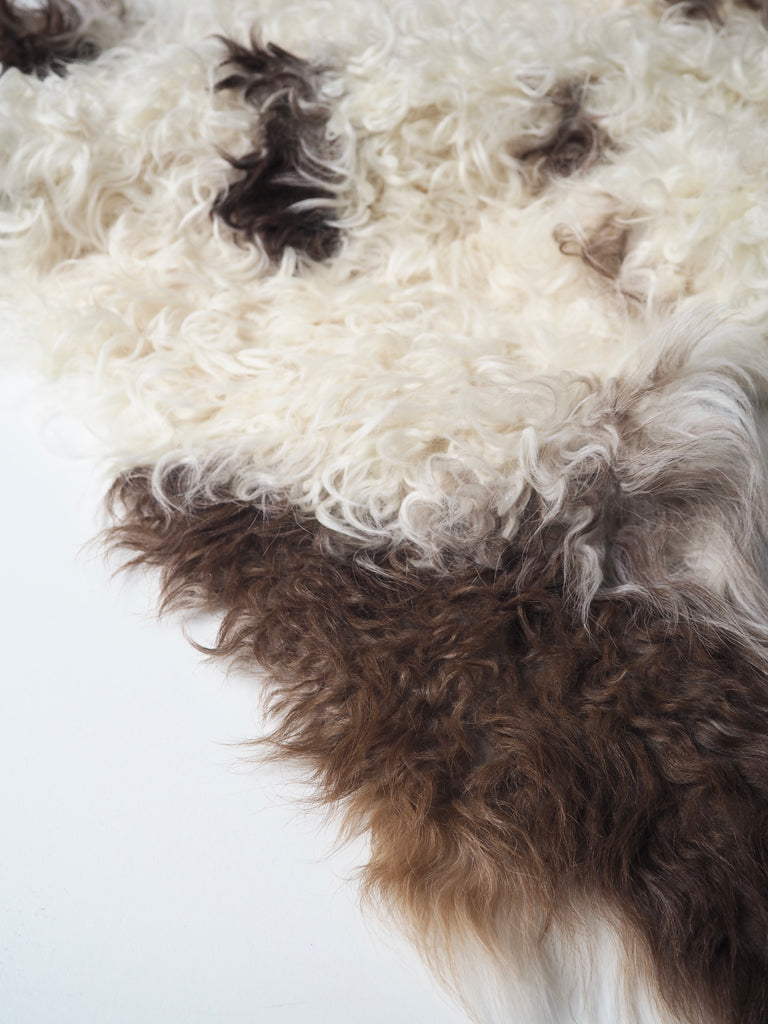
(426, 345)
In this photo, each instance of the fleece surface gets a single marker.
(426, 344)
(408, 385)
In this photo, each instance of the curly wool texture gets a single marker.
(427, 346)
(379, 388)
(47, 37)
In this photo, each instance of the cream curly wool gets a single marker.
(426, 342)
(381, 398)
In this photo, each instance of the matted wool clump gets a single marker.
(425, 343)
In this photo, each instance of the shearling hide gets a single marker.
(424, 343)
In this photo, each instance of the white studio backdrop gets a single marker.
(147, 873)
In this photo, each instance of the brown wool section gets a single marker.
(602, 251)
(712, 10)
(42, 39)
(761, 6)
(506, 757)
(698, 10)
(576, 143)
(288, 163)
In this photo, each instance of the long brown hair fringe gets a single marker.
(506, 757)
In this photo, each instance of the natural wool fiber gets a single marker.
(426, 344)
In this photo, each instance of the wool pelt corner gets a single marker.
(426, 344)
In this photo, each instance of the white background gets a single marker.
(147, 874)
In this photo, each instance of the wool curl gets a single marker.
(46, 38)
(41, 40)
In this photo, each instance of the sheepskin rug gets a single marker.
(425, 343)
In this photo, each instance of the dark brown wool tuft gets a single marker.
(711, 10)
(699, 10)
(603, 251)
(575, 144)
(43, 39)
(758, 5)
(506, 757)
(289, 162)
